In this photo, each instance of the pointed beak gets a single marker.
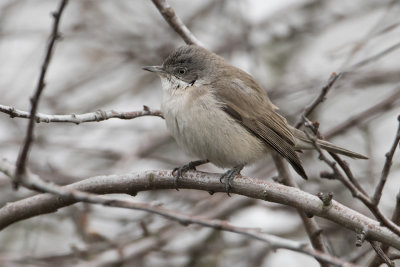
(156, 69)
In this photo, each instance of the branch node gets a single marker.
(169, 11)
(317, 233)
(309, 215)
(326, 198)
(265, 194)
(327, 175)
(360, 237)
(278, 179)
(133, 193)
(12, 112)
(184, 222)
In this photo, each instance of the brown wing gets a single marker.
(248, 104)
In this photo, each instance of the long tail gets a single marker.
(303, 142)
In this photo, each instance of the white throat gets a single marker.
(171, 84)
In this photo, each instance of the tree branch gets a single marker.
(23, 155)
(313, 230)
(354, 190)
(386, 104)
(319, 99)
(386, 168)
(175, 22)
(161, 179)
(98, 115)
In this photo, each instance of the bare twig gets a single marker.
(345, 167)
(381, 254)
(386, 104)
(175, 22)
(98, 115)
(325, 89)
(313, 230)
(23, 155)
(355, 192)
(372, 58)
(386, 168)
(319, 99)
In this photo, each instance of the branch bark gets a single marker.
(98, 115)
(24, 152)
(175, 22)
(162, 179)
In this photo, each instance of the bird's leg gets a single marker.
(229, 175)
(179, 171)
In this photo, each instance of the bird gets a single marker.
(221, 114)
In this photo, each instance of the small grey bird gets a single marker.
(220, 114)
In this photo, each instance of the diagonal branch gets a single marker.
(386, 104)
(175, 22)
(24, 152)
(373, 58)
(386, 168)
(319, 99)
(354, 190)
(313, 230)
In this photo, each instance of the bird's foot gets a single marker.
(229, 176)
(179, 171)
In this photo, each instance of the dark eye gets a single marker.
(182, 71)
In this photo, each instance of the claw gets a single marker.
(229, 176)
(181, 170)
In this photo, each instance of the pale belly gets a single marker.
(202, 129)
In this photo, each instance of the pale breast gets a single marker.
(200, 127)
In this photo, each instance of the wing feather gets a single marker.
(251, 107)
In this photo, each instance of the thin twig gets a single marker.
(175, 22)
(381, 254)
(319, 99)
(325, 89)
(313, 230)
(355, 192)
(23, 155)
(386, 104)
(386, 168)
(372, 58)
(345, 167)
(96, 116)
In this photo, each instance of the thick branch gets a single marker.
(273, 241)
(152, 180)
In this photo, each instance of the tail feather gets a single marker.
(303, 142)
(336, 149)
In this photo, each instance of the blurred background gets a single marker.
(291, 47)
